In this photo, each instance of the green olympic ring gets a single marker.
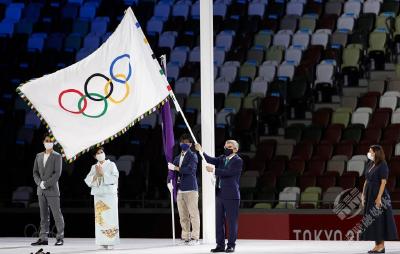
(96, 95)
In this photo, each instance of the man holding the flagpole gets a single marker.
(227, 169)
(188, 196)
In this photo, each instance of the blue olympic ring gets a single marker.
(112, 67)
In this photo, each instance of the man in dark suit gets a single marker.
(46, 172)
(227, 170)
(188, 196)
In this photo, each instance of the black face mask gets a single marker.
(228, 151)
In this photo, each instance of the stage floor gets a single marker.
(164, 246)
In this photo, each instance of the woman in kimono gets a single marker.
(103, 180)
(378, 221)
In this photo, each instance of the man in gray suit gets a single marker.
(46, 172)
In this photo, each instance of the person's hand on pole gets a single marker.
(171, 166)
(170, 187)
(198, 148)
(210, 168)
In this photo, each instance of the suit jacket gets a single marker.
(187, 171)
(228, 176)
(49, 173)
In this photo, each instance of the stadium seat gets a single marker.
(336, 166)
(295, 167)
(322, 117)
(356, 165)
(333, 7)
(380, 118)
(307, 23)
(309, 200)
(307, 181)
(372, 135)
(88, 10)
(294, 8)
(288, 23)
(282, 38)
(353, 8)
(341, 118)
(315, 167)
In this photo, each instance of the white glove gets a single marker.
(171, 166)
(210, 167)
(42, 185)
(170, 186)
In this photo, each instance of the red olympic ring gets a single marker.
(72, 91)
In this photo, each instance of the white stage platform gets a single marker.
(164, 246)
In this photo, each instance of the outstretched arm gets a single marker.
(209, 159)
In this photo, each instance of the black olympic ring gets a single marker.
(108, 81)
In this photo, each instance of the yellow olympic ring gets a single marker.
(107, 87)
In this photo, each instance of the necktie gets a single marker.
(225, 163)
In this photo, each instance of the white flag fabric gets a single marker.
(100, 97)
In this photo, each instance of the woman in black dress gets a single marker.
(378, 221)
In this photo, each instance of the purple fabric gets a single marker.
(169, 141)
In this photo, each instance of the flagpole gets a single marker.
(177, 106)
(208, 236)
(164, 66)
(172, 215)
(207, 117)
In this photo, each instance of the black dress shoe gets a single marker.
(230, 250)
(40, 251)
(218, 249)
(40, 242)
(59, 242)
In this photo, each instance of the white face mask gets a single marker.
(101, 157)
(370, 157)
(48, 145)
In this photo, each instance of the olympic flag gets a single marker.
(100, 97)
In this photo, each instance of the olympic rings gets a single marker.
(101, 113)
(72, 91)
(112, 68)
(109, 83)
(126, 87)
(108, 90)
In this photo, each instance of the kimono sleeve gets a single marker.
(89, 177)
(111, 176)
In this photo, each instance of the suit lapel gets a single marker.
(229, 161)
(41, 158)
(185, 157)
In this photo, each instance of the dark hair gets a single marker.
(186, 136)
(379, 154)
(95, 150)
(46, 135)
